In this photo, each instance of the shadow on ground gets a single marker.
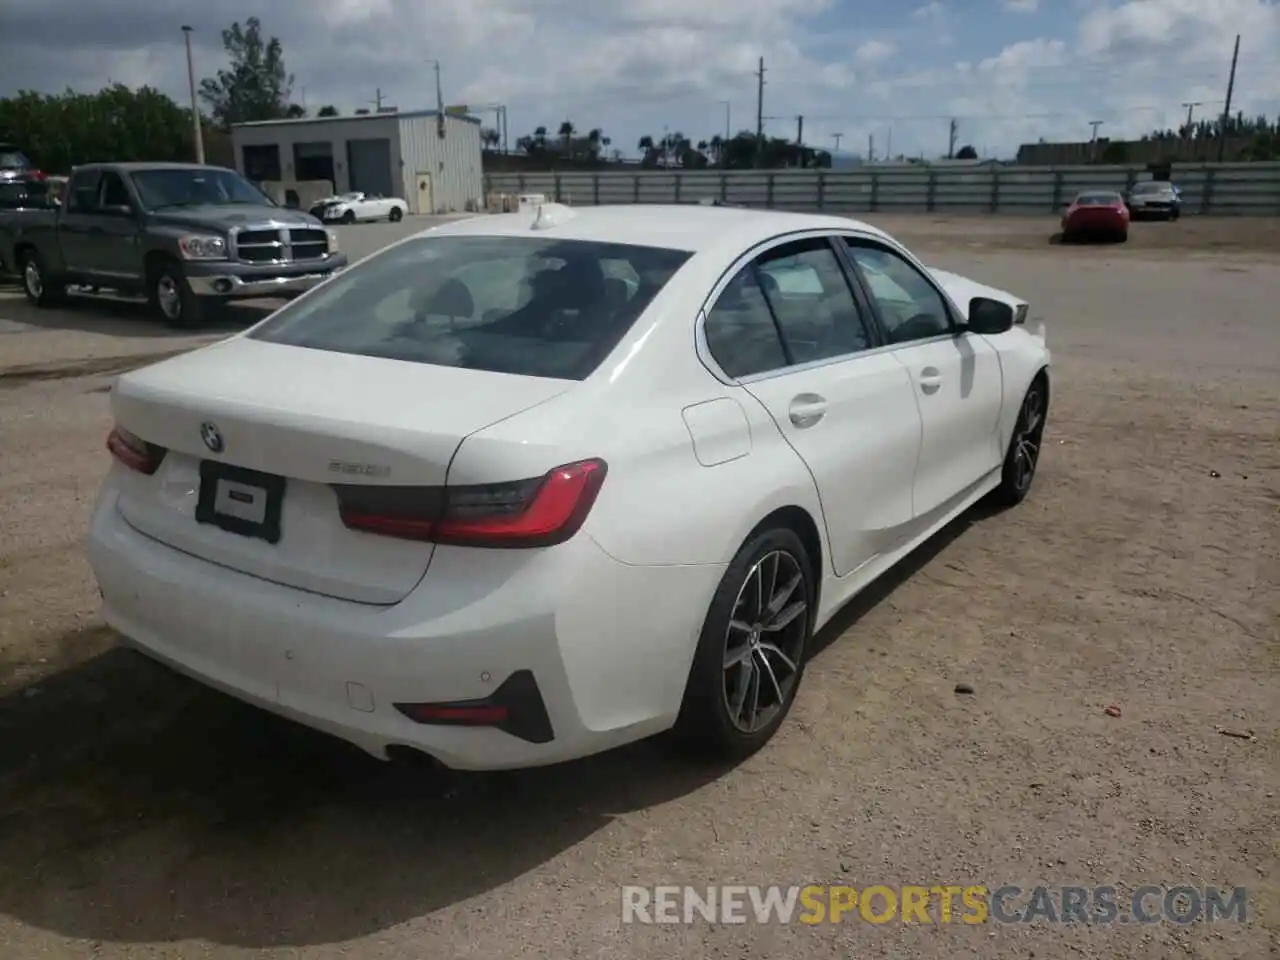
(116, 316)
(136, 806)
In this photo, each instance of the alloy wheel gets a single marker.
(31, 277)
(1026, 453)
(764, 644)
(168, 297)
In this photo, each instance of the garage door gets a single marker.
(369, 162)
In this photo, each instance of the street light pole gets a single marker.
(197, 132)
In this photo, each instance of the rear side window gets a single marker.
(530, 306)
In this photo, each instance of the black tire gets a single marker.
(349, 217)
(171, 298)
(708, 721)
(41, 289)
(396, 215)
(1023, 455)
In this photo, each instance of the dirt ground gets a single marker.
(142, 816)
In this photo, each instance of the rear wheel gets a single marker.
(171, 297)
(396, 214)
(1023, 456)
(751, 654)
(40, 288)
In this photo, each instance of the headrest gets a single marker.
(452, 299)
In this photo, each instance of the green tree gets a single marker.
(255, 85)
(116, 123)
(328, 110)
(967, 152)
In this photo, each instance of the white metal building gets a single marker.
(431, 161)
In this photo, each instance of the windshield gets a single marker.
(193, 187)
(13, 159)
(1098, 199)
(1151, 186)
(529, 306)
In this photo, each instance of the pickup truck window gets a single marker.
(82, 192)
(113, 192)
(191, 187)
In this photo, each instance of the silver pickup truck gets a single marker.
(184, 235)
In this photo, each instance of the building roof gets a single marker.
(398, 115)
(693, 227)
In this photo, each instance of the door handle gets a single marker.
(807, 409)
(930, 380)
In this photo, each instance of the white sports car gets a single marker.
(354, 207)
(522, 488)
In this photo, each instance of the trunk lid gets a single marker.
(315, 418)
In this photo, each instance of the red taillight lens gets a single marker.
(38, 175)
(540, 512)
(134, 452)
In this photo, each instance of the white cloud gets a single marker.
(636, 66)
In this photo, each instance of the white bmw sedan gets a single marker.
(525, 487)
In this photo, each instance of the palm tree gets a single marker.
(717, 148)
(566, 134)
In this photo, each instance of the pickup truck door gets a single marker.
(99, 229)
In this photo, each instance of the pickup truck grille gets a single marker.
(281, 245)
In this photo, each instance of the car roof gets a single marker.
(139, 166)
(691, 227)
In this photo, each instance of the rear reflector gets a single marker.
(539, 512)
(134, 452)
(516, 708)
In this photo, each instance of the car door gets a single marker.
(113, 241)
(790, 327)
(956, 375)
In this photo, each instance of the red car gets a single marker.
(1096, 213)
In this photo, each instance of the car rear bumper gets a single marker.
(237, 282)
(607, 645)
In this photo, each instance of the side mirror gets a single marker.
(989, 316)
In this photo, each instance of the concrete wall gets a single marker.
(1244, 189)
(453, 161)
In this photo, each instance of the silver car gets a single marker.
(1154, 198)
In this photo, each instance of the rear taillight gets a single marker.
(38, 175)
(134, 452)
(539, 512)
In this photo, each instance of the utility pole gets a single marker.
(871, 147)
(1226, 113)
(196, 130)
(952, 132)
(1093, 140)
(1191, 107)
(377, 100)
(888, 145)
(760, 113)
(837, 137)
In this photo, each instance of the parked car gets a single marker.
(1154, 198)
(19, 197)
(15, 165)
(354, 207)
(479, 498)
(187, 236)
(1096, 213)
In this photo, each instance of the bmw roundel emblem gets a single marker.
(211, 437)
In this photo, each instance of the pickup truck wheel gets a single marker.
(172, 298)
(40, 288)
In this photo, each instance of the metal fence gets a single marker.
(1228, 189)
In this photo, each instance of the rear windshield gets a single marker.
(1098, 199)
(531, 306)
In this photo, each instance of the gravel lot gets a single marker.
(143, 816)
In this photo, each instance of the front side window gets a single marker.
(911, 308)
(194, 187)
(528, 306)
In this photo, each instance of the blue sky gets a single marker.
(1009, 71)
